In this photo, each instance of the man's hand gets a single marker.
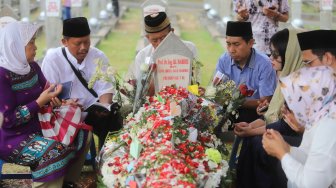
(72, 102)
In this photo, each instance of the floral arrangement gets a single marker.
(225, 93)
(164, 145)
(125, 88)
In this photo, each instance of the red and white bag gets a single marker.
(61, 124)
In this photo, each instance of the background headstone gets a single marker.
(24, 10)
(53, 23)
(296, 12)
(76, 8)
(6, 10)
(326, 14)
(94, 11)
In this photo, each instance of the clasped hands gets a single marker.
(49, 95)
(274, 144)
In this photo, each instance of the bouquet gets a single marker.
(144, 83)
(125, 88)
(229, 97)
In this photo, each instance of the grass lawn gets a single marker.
(121, 43)
(208, 48)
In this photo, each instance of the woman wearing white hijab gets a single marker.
(24, 90)
(311, 94)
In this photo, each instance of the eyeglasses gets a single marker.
(307, 62)
(275, 54)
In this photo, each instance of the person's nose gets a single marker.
(231, 49)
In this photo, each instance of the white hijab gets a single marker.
(13, 39)
(311, 94)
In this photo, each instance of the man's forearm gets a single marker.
(254, 103)
(106, 98)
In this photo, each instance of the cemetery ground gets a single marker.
(120, 46)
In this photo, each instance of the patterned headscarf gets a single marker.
(13, 39)
(311, 94)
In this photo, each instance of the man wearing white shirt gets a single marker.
(77, 52)
(157, 27)
(311, 96)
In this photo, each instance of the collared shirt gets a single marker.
(257, 74)
(145, 54)
(57, 70)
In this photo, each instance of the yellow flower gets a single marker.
(213, 155)
(193, 89)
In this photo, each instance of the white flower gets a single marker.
(210, 91)
(111, 71)
(128, 87)
(212, 165)
(144, 67)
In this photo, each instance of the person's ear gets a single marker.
(64, 42)
(329, 58)
(250, 43)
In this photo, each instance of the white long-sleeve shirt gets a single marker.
(313, 163)
(57, 70)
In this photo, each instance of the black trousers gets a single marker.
(115, 4)
(103, 121)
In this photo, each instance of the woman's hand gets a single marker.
(55, 102)
(274, 144)
(271, 12)
(51, 92)
(262, 107)
(242, 12)
(289, 118)
(242, 129)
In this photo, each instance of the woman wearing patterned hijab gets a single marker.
(311, 94)
(24, 90)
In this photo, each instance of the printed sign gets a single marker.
(53, 8)
(326, 4)
(173, 63)
(173, 69)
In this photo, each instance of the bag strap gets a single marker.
(79, 75)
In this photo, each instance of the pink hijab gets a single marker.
(311, 94)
